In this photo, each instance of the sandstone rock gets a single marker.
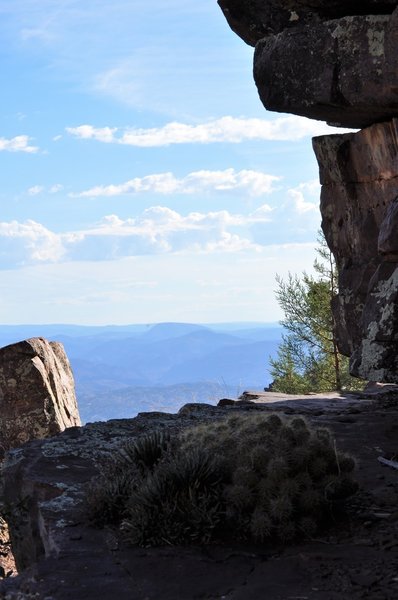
(37, 395)
(336, 61)
(376, 357)
(359, 173)
(255, 19)
(364, 157)
(341, 71)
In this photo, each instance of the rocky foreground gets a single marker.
(60, 556)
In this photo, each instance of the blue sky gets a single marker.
(141, 178)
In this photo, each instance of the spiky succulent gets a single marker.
(246, 476)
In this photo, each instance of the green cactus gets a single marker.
(146, 450)
(178, 503)
(247, 476)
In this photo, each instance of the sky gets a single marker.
(142, 180)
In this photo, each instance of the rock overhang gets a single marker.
(253, 20)
(337, 61)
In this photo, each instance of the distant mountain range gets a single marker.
(122, 370)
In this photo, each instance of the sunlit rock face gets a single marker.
(37, 392)
(337, 61)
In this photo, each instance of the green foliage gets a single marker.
(108, 494)
(146, 451)
(308, 359)
(179, 503)
(244, 477)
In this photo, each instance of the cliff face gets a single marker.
(337, 61)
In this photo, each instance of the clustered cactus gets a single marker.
(255, 477)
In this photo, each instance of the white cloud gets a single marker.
(88, 132)
(39, 189)
(35, 190)
(19, 143)
(28, 243)
(157, 230)
(226, 129)
(161, 230)
(305, 197)
(254, 183)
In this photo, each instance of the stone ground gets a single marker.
(356, 559)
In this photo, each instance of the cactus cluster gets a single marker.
(180, 502)
(282, 476)
(120, 475)
(252, 477)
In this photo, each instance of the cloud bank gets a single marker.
(254, 183)
(19, 143)
(226, 129)
(157, 230)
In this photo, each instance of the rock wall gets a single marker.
(359, 177)
(337, 61)
(37, 392)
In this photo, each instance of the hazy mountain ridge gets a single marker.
(122, 370)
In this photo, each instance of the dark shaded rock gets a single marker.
(43, 481)
(359, 173)
(37, 391)
(226, 402)
(62, 557)
(388, 239)
(255, 19)
(341, 71)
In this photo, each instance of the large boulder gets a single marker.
(253, 20)
(37, 392)
(341, 71)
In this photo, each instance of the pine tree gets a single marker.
(308, 359)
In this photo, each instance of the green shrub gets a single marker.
(254, 477)
(108, 494)
(180, 502)
(147, 450)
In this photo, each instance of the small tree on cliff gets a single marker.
(308, 359)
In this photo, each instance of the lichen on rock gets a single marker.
(37, 392)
